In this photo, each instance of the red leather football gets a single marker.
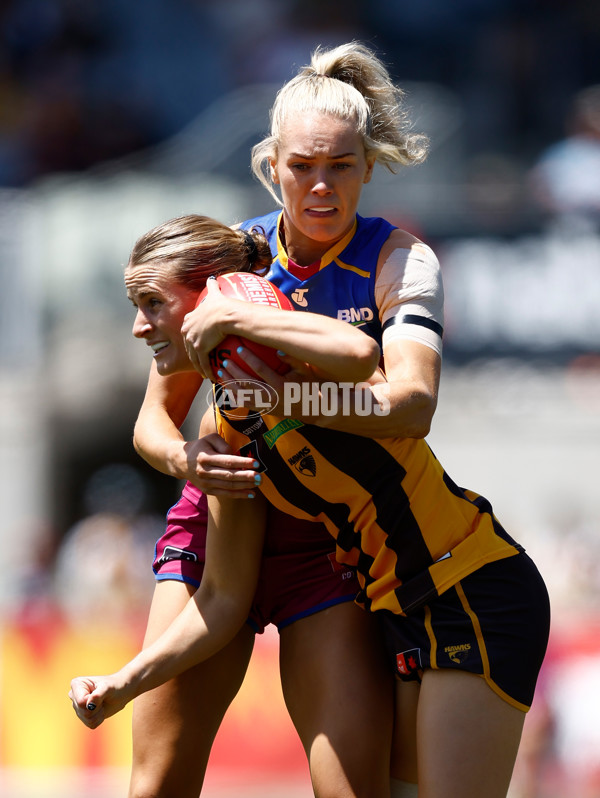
(248, 287)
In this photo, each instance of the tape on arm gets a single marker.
(410, 296)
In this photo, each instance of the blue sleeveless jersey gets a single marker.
(344, 285)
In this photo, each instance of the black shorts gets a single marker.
(494, 622)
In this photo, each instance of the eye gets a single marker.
(341, 166)
(300, 167)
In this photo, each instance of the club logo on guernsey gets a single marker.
(304, 462)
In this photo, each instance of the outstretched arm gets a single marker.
(208, 622)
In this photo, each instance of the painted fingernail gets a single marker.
(239, 350)
(225, 364)
(280, 353)
(255, 464)
(250, 495)
(219, 373)
(91, 706)
(257, 479)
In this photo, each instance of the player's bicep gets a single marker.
(409, 293)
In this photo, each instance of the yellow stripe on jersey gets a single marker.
(281, 253)
(348, 267)
(329, 257)
(335, 250)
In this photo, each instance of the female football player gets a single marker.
(458, 600)
(330, 125)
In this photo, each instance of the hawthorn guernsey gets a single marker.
(248, 287)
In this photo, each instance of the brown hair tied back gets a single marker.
(251, 247)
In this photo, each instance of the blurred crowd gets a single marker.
(83, 83)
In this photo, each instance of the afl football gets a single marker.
(248, 287)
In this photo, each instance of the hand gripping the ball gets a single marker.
(200, 328)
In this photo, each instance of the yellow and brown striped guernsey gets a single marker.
(409, 530)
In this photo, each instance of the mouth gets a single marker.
(321, 210)
(158, 347)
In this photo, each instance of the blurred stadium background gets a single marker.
(115, 116)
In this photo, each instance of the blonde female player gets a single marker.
(463, 608)
(330, 125)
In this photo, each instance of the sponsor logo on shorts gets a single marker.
(304, 462)
(458, 653)
(409, 662)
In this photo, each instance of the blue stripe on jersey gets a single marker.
(344, 285)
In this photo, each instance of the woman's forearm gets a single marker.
(156, 435)
(329, 345)
(204, 626)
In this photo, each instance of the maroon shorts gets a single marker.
(299, 573)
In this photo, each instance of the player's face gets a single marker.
(321, 168)
(161, 305)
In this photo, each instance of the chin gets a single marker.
(163, 369)
(166, 369)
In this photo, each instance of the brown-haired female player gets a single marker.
(330, 125)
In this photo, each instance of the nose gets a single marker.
(321, 185)
(141, 325)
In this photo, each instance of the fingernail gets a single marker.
(250, 495)
(280, 353)
(257, 479)
(225, 364)
(255, 464)
(219, 373)
(239, 350)
(213, 277)
(91, 706)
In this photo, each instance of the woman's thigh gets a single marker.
(174, 726)
(467, 737)
(340, 698)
